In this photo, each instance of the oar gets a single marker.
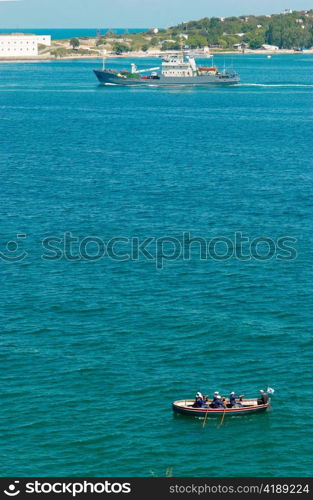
(223, 417)
(204, 421)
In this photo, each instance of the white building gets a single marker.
(44, 39)
(21, 44)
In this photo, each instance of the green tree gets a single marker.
(170, 46)
(74, 42)
(232, 40)
(154, 42)
(222, 43)
(196, 41)
(256, 43)
(119, 47)
(255, 39)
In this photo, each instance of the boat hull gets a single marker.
(110, 78)
(185, 408)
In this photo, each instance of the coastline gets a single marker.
(142, 55)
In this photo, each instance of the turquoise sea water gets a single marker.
(60, 34)
(93, 352)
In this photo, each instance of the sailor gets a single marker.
(215, 395)
(263, 398)
(218, 402)
(232, 400)
(203, 402)
(199, 400)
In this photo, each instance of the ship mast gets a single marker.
(103, 61)
(181, 47)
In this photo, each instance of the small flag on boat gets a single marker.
(269, 390)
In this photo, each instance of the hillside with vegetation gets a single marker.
(292, 30)
(286, 31)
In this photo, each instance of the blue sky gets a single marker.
(129, 13)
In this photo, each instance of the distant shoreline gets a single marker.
(142, 55)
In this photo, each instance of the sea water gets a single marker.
(95, 346)
(63, 33)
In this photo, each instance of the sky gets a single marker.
(130, 13)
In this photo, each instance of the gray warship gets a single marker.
(175, 70)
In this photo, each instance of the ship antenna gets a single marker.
(181, 47)
(103, 61)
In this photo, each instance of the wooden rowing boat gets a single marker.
(248, 407)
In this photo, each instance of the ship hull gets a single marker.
(109, 78)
